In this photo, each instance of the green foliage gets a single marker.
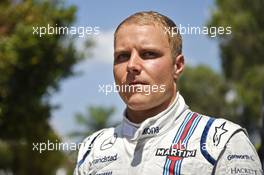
(96, 118)
(242, 54)
(250, 89)
(205, 91)
(30, 69)
(243, 49)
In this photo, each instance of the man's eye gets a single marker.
(122, 57)
(149, 55)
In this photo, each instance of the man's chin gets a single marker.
(139, 102)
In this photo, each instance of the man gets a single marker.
(159, 134)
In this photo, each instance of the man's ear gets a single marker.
(178, 66)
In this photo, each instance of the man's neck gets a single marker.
(140, 116)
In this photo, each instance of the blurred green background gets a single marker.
(32, 70)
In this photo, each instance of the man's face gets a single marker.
(143, 60)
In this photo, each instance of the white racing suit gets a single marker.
(176, 141)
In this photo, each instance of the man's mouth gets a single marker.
(137, 83)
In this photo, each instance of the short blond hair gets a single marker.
(155, 18)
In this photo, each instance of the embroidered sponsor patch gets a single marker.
(219, 131)
(151, 130)
(109, 142)
(239, 157)
(105, 159)
(105, 173)
(176, 152)
(243, 171)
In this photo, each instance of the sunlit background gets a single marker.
(49, 85)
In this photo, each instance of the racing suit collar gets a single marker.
(155, 125)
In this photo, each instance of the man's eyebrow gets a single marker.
(119, 50)
(153, 49)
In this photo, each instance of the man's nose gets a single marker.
(134, 63)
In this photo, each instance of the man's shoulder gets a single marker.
(214, 128)
(90, 142)
(218, 131)
(98, 135)
(215, 135)
(220, 128)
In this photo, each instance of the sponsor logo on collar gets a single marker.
(240, 157)
(105, 159)
(176, 152)
(243, 171)
(109, 142)
(219, 131)
(151, 130)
